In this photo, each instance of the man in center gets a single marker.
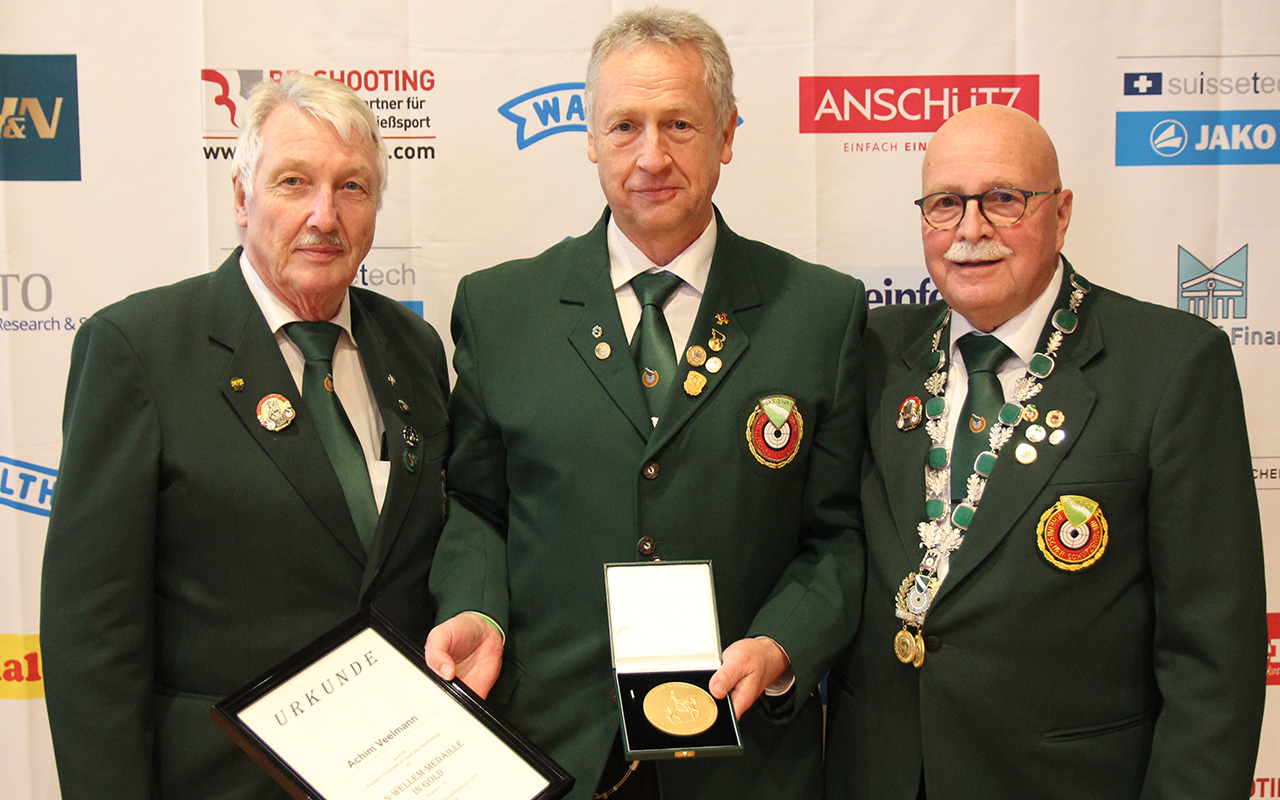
(720, 417)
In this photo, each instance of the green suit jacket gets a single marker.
(1139, 676)
(190, 549)
(548, 482)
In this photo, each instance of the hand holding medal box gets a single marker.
(665, 642)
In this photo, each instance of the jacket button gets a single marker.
(651, 470)
(932, 644)
(647, 545)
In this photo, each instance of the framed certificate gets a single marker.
(358, 715)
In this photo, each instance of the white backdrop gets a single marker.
(483, 99)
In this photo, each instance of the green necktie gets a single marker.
(316, 340)
(983, 355)
(654, 351)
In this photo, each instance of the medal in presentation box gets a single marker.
(665, 642)
(358, 715)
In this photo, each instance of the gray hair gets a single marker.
(634, 29)
(324, 99)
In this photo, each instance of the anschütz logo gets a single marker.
(905, 103)
(39, 118)
(546, 111)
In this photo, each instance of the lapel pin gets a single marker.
(716, 342)
(714, 364)
(696, 356)
(597, 331)
(649, 378)
(694, 382)
(410, 461)
(404, 407)
(1055, 418)
(237, 384)
(275, 412)
(1058, 437)
(1030, 413)
(410, 437)
(910, 414)
(1035, 433)
(1025, 453)
(603, 350)
(722, 319)
(391, 379)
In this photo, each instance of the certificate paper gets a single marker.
(365, 720)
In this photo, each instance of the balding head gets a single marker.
(988, 273)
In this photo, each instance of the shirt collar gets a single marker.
(1022, 333)
(692, 265)
(277, 313)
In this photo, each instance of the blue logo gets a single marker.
(1218, 292)
(1145, 138)
(1144, 83)
(413, 305)
(27, 487)
(39, 119)
(558, 108)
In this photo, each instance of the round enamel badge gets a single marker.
(1072, 534)
(774, 430)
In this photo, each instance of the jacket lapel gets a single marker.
(905, 453)
(731, 288)
(598, 323)
(396, 404)
(1013, 486)
(258, 368)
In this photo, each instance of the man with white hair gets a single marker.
(659, 388)
(1064, 563)
(249, 457)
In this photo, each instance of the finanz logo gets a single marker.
(558, 108)
(1218, 292)
(39, 119)
(1144, 83)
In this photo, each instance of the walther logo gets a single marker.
(39, 119)
(21, 676)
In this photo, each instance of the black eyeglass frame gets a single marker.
(964, 205)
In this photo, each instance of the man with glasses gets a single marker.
(1065, 595)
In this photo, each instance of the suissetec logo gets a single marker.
(543, 112)
(906, 103)
(1273, 650)
(21, 676)
(1151, 138)
(39, 118)
(1143, 83)
(1217, 292)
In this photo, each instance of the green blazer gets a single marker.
(557, 470)
(190, 549)
(1139, 676)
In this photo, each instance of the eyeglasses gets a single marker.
(1001, 206)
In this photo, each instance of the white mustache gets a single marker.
(962, 250)
(314, 238)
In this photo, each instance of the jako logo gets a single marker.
(1146, 83)
(558, 108)
(1168, 138)
(906, 103)
(27, 487)
(1273, 650)
(39, 119)
(1146, 138)
(1218, 292)
(20, 675)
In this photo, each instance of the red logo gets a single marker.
(906, 103)
(1273, 650)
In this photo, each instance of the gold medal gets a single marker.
(904, 646)
(696, 356)
(680, 709)
(919, 659)
(716, 342)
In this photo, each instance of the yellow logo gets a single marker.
(14, 114)
(21, 672)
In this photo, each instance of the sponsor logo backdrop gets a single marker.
(114, 177)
